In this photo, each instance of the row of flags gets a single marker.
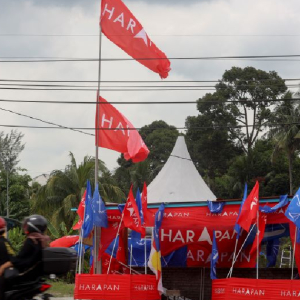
(251, 213)
(92, 212)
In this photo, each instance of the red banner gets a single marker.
(245, 288)
(116, 287)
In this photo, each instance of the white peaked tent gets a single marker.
(179, 180)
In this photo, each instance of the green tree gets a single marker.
(242, 98)
(286, 133)
(10, 148)
(64, 190)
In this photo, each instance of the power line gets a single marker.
(135, 81)
(245, 57)
(146, 102)
(46, 122)
(139, 128)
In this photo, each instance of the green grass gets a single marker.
(61, 289)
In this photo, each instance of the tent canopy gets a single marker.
(179, 180)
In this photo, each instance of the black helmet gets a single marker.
(35, 223)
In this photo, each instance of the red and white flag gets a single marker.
(249, 209)
(80, 212)
(112, 133)
(262, 221)
(131, 217)
(122, 28)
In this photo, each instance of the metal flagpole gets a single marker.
(294, 252)
(145, 248)
(130, 256)
(97, 230)
(257, 243)
(231, 269)
(240, 250)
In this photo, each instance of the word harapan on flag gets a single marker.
(121, 27)
(115, 132)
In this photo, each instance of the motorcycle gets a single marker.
(56, 261)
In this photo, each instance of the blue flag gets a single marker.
(283, 201)
(293, 210)
(237, 227)
(214, 258)
(99, 209)
(215, 207)
(272, 252)
(87, 225)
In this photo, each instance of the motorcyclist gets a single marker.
(29, 260)
(6, 251)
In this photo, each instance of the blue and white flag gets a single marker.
(293, 210)
(215, 207)
(214, 258)
(88, 224)
(99, 210)
(237, 227)
(283, 201)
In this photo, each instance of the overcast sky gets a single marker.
(68, 29)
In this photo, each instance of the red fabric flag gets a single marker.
(131, 217)
(80, 212)
(121, 255)
(122, 28)
(119, 138)
(65, 241)
(262, 221)
(249, 209)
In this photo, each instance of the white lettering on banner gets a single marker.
(109, 11)
(144, 287)
(200, 254)
(99, 287)
(189, 236)
(163, 235)
(220, 291)
(120, 126)
(110, 217)
(131, 24)
(106, 121)
(294, 294)
(224, 256)
(223, 214)
(178, 237)
(248, 291)
(176, 215)
(120, 19)
(205, 236)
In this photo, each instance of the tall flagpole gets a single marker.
(294, 251)
(257, 244)
(97, 230)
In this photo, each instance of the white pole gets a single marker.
(145, 249)
(294, 252)
(97, 231)
(115, 242)
(257, 244)
(130, 256)
(231, 269)
(240, 250)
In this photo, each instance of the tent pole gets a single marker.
(231, 269)
(145, 249)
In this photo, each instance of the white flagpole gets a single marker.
(294, 252)
(257, 243)
(130, 256)
(231, 269)
(97, 230)
(145, 248)
(240, 251)
(118, 232)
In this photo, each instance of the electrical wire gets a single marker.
(146, 102)
(286, 57)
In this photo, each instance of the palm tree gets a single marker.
(286, 133)
(64, 190)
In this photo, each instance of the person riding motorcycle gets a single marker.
(29, 260)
